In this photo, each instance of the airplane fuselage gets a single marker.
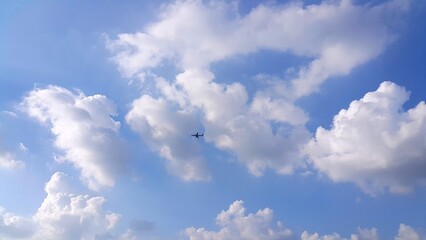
(198, 135)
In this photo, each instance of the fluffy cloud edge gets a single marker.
(339, 35)
(9, 161)
(235, 223)
(189, 36)
(83, 129)
(64, 215)
(374, 143)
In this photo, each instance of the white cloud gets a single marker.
(406, 232)
(62, 215)
(235, 224)
(9, 113)
(22, 147)
(168, 132)
(232, 123)
(229, 120)
(337, 35)
(272, 109)
(8, 161)
(83, 129)
(375, 143)
(15, 227)
(363, 234)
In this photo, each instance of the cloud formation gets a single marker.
(406, 232)
(338, 35)
(375, 143)
(363, 234)
(233, 123)
(15, 227)
(168, 132)
(83, 129)
(190, 35)
(63, 215)
(229, 120)
(235, 224)
(8, 161)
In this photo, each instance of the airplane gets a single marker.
(198, 135)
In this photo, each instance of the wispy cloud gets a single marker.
(9, 113)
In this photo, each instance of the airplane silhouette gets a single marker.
(198, 135)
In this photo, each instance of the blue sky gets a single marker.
(312, 111)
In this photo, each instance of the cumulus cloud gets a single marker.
(406, 232)
(363, 234)
(337, 35)
(232, 123)
(229, 120)
(235, 224)
(62, 215)
(168, 132)
(8, 161)
(83, 129)
(15, 227)
(375, 143)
